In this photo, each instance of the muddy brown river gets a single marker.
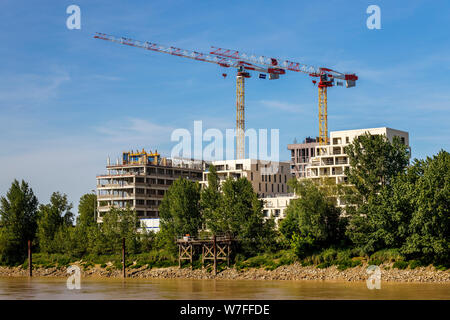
(56, 288)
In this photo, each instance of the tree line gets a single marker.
(386, 203)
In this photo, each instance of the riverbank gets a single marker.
(287, 272)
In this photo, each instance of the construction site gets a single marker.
(141, 179)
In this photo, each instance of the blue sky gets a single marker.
(68, 101)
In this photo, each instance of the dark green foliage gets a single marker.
(180, 211)
(414, 264)
(400, 264)
(398, 208)
(374, 161)
(429, 228)
(348, 263)
(242, 216)
(379, 203)
(211, 203)
(54, 221)
(18, 220)
(86, 210)
(312, 220)
(117, 224)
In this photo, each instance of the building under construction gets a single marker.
(139, 181)
(301, 153)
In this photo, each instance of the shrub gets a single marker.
(414, 264)
(348, 263)
(328, 255)
(400, 265)
(324, 265)
(287, 257)
(441, 267)
(376, 262)
(388, 255)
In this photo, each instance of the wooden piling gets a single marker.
(30, 260)
(215, 254)
(123, 258)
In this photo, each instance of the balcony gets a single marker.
(115, 196)
(341, 161)
(327, 162)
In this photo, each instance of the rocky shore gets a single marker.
(289, 272)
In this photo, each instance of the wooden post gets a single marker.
(179, 256)
(203, 256)
(30, 260)
(228, 254)
(123, 258)
(191, 255)
(215, 255)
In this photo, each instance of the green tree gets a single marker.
(82, 237)
(54, 218)
(383, 221)
(18, 215)
(179, 211)
(312, 220)
(374, 214)
(374, 161)
(86, 210)
(242, 216)
(211, 201)
(429, 227)
(117, 224)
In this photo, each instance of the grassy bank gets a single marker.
(341, 258)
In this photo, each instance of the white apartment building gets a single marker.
(331, 160)
(275, 206)
(267, 178)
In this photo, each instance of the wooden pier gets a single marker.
(214, 248)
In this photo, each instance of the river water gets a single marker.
(56, 288)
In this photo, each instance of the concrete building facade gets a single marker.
(140, 183)
(275, 206)
(267, 178)
(300, 155)
(330, 160)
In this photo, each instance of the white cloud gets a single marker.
(25, 89)
(135, 131)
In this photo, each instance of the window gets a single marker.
(251, 176)
(274, 178)
(347, 139)
(260, 186)
(269, 178)
(256, 167)
(282, 188)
